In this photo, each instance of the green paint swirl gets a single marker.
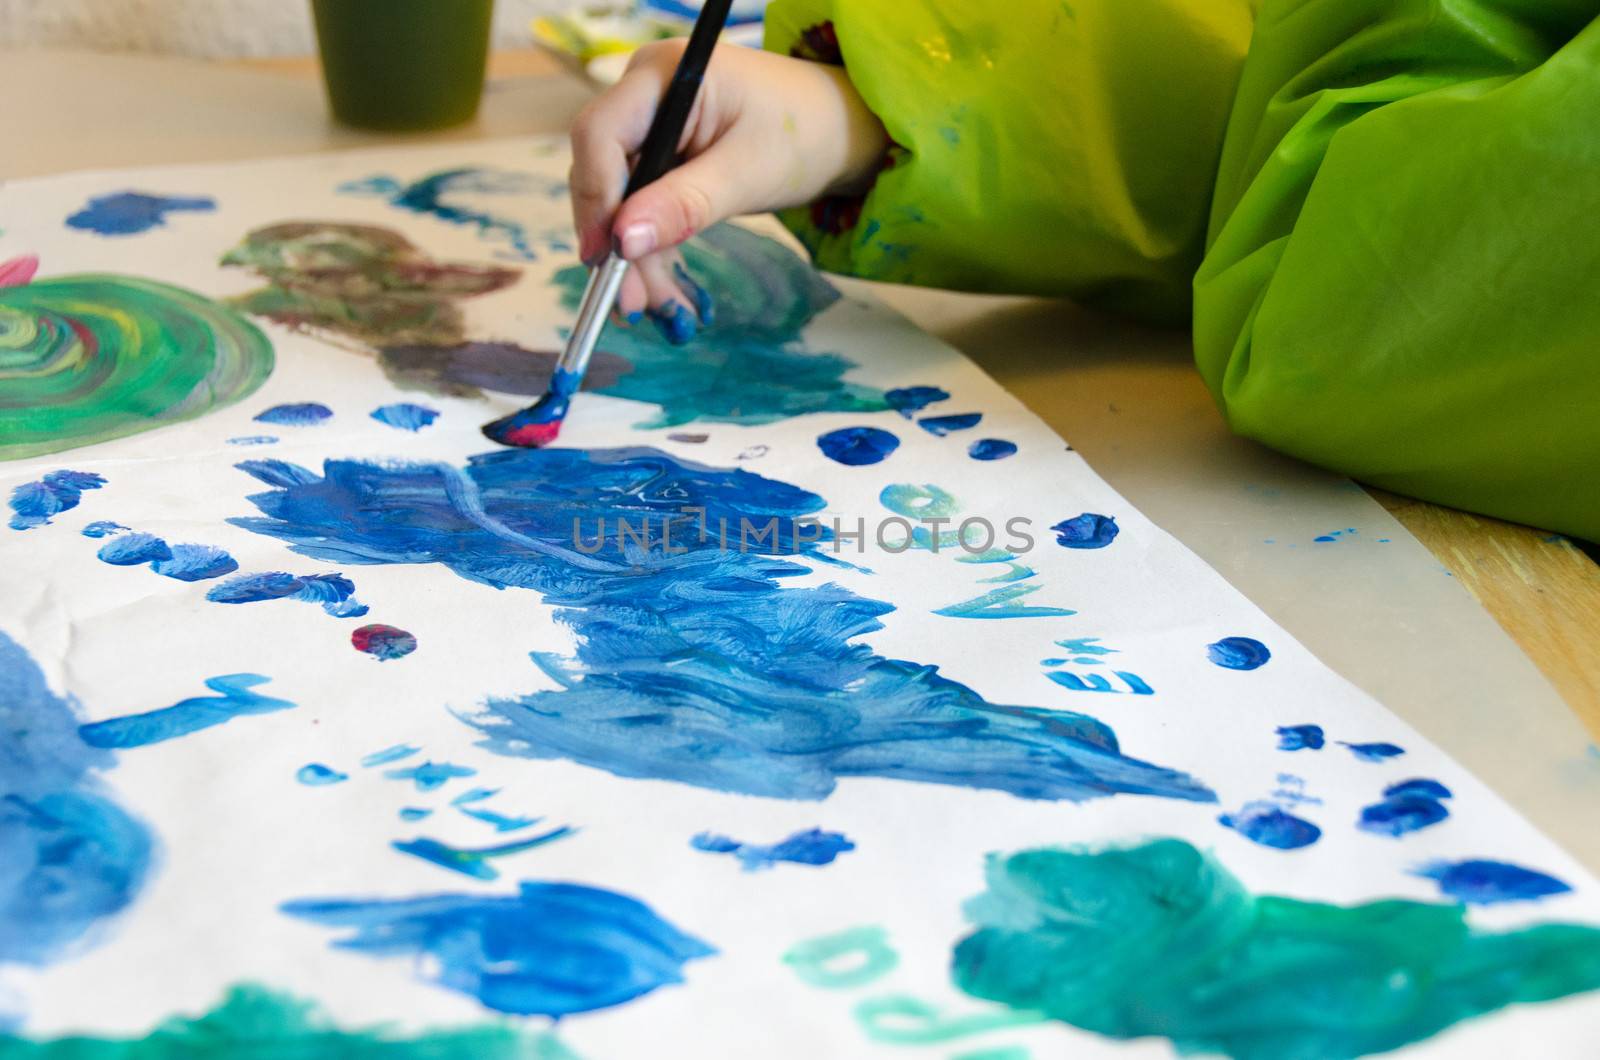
(1162, 940)
(749, 366)
(252, 1021)
(84, 359)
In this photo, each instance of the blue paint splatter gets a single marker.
(133, 550)
(389, 754)
(674, 321)
(697, 666)
(334, 593)
(300, 414)
(551, 949)
(940, 426)
(1300, 738)
(813, 847)
(58, 491)
(909, 400)
(1086, 531)
(405, 416)
(1490, 882)
(128, 213)
(447, 197)
(1238, 653)
(431, 775)
(1402, 814)
(474, 862)
(317, 775)
(1268, 825)
(857, 446)
(71, 857)
(414, 813)
(991, 449)
(233, 699)
(102, 528)
(183, 562)
(253, 439)
(1374, 752)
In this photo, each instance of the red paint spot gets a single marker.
(383, 642)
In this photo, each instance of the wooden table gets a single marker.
(1396, 620)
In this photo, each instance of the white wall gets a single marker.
(214, 28)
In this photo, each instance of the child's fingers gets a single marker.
(687, 200)
(632, 298)
(670, 307)
(605, 133)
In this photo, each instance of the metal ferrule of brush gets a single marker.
(599, 295)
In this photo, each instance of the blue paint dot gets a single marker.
(856, 446)
(991, 449)
(413, 813)
(1269, 826)
(131, 550)
(1418, 786)
(1374, 752)
(1325, 539)
(303, 414)
(317, 775)
(194, 563)
(1300, 738)
(1238, 653)
(943, 425)
(1402, 814)
(909, 400)
(1483, 882)
(405, 416)
(102, 528)
(130, 212)
(1086, 531)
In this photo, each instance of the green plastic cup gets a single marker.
(403, 64)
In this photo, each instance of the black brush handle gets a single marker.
(660, 150)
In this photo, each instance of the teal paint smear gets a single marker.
(253, 1021)
(1162, 940)
(750, 365)
(901, 1020)
(844, 960)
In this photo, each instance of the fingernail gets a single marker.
(674, 321)
(638, 239)
(592, 245)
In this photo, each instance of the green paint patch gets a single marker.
(1161, 940)
(254, 1023)
(749, 366)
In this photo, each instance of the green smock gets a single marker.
(1381, 216)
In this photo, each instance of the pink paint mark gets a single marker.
(18, 271)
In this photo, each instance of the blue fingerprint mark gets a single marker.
(102, 528)
(234, 699)
(70, 857)
(334, 593)
(127, 213)
(939, 426)
(551, 949)
(317, 775)
(1268, 825)
(1238, 653)
(1406, 808)
(182, 562)
(389, 754)
(909, 400)
(431, 775)
(475, 862)
(1300, 738)
(33, 503)
(405, 416)
(811, 847)
(991, 449)
(1483, 882)
(1374, 752)
(1086, 531)
(857, 446)
(300, 414)
(701, 665)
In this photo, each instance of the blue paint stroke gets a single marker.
(334, 593)
(128, 213)
(317, 775)
(414, 813)
(1085, 646)
(1100, 683)
(195, 563)
(551, 949)
(70, 857)
(909, 400)
(447, 196)
(857, 446)
(405, 416)
(300, 414)
(58, 491)
(1002, 603)
(500, 822)
(431, 775)
(475, 862)
(991, 449)
(1490, 882)
(1268, 825)
(1418, 786)
(102, 528)
(1238, 653)
(253, 439)
(134, 550)
(234, 698)
(698, 666)
(1402, 814)
(1300, 738)
(389, 754)
(474, 795)
(939, 426)
(812, 847)
(1086, 531)
(1374, 752)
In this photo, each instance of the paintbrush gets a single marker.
(539, 423)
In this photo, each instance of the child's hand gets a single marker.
(766, 132)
